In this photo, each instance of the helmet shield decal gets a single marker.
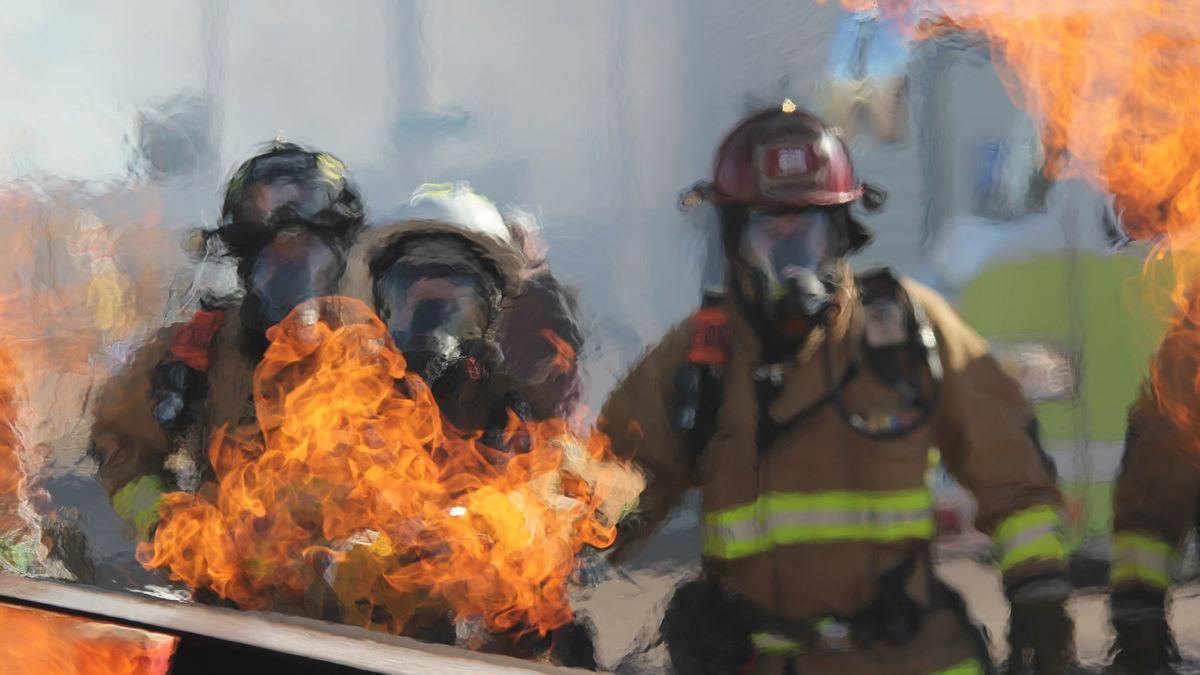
(789, 168)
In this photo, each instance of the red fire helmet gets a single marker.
(783, 157)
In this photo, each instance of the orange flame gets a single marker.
(1112, 84)
(354, 486)
(564, 353)
(64, 300)
(12, 474)
(37, 641)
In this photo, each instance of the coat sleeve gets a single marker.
(637, 419)
(987, 433)
(1158, 488)
(126, 439)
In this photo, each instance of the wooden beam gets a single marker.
(308, 638)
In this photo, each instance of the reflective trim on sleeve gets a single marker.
(1029, 535)
(1140, 557)
(968, 667)
(773, 644)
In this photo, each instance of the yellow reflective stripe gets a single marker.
(1032, 534)
(895, 500)
(968, 667)
(790, 518)
(881, 532)
(1141, 558)
(829, 500)
(774, 645)
(715, 547)
(1046, 547)
(1023, 521)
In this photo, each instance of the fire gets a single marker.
(354, 488)
(564, 353)
(12, 474)
(1113, 85)
(37, 641)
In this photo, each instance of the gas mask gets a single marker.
(437, 308)
(297, 265)
(792, 259)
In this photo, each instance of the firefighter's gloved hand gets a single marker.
(1144, 644)
(591, 567)
(138, 503)
(1041, 634)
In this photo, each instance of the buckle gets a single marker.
(771, 371)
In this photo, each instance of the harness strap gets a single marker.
(768, 389)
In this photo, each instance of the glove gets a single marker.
(591, 567)
(1144, 644)
(1041, 634)
(701, 636)
(138, 503)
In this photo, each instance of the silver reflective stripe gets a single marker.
(1142, 559)
(1029, 536)
(886, 518)
(750, 529)
(739, 531)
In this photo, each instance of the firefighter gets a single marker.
(470, 302)
(825, 393)
(472, 305)
(1155, 504)
(290, 214)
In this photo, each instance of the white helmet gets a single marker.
(451, 208)
(454, 204)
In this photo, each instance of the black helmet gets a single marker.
(288, 185)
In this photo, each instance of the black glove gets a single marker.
(1041, 634)
(701, 636)
(1144, 644)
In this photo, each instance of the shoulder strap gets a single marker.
(699, 383)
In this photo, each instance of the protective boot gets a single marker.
(1144, 648)
(1041, 635)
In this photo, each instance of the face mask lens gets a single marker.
(297, 266)
(426, 307)
(784, 244)
(303, 199)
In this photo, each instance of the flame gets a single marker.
(354, 487)
(564, 353)
(1112, 85)
(67, 308)
(891, 10)
(13, 491)
(37, 641)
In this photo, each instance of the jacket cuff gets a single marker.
(1137, 604)
(1033, 535)
(1141, 558)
